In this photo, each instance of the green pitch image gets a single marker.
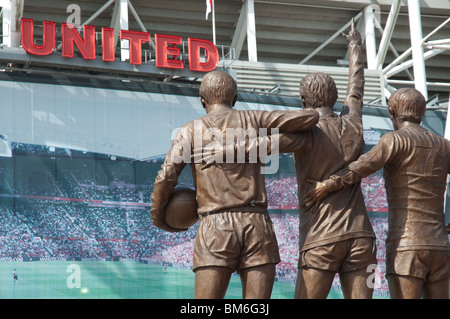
(110, 280)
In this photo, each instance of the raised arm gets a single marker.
(355, 87)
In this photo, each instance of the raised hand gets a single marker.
(353, 35)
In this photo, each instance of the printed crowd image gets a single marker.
(63, 207)
(306, 142)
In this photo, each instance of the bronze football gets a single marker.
(181, 211)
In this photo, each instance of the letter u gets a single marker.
(28, 38)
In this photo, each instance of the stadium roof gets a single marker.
(275, 42)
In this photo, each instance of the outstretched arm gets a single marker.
(251, 150)
(322, 189)
(367, 164)
(291, 121)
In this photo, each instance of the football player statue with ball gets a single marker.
(235, 231)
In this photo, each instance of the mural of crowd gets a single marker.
(62, 210)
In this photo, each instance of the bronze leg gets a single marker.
(437, 290)
(404, 287)
(257, 282)
(313, 283)
(211, 282)
(354, 284)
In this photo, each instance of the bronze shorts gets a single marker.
(429, 265)
(342, 256)
(236, 240)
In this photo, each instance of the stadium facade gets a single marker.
(92, 92)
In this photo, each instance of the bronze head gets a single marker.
(218, 87)
(318, 90)
(407, 105)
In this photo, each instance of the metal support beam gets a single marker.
(119, 21)
(124, 44)
(115, 21)
(371, 49)
(394, 51)
(12, 14)
(441, 46)
(394, 64)
(97, 13)
(246, 27)
(408, 52)
(406, 65)
(251, 31)
(415, 26)
(336, 34)
(437, 44)
(240, 32)
(439, 84)
(139, 22)
(387, 34)
(91, 18)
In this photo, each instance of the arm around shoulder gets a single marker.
(289, 121)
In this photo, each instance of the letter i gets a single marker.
(108, 53)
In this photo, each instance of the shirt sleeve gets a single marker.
(272, 144)
(166, 180)
(291, 142)
(289, 121)
(367, 164)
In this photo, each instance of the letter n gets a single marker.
(70, 36)
(28, 38)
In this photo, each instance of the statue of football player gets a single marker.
(416, 164)
(235, 231)
(338, 236)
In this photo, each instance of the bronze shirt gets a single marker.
(416, 165)
(222, 186)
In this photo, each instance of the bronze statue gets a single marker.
(416, 163)
(235, 231)
(337, 237)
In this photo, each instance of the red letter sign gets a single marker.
(28, 38)
(108, 45)
(212, 55)
(165, 46)
(136, 39)
(70, 36)
(203, 54)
